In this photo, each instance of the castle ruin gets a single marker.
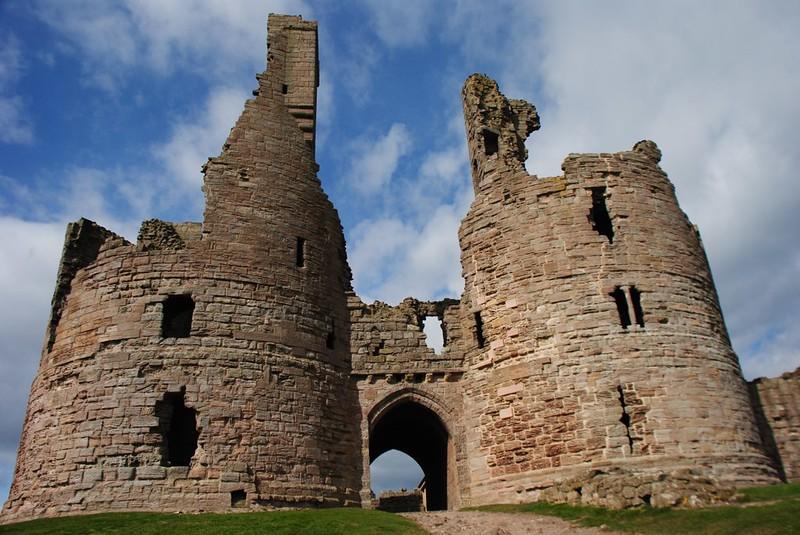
(229, 364)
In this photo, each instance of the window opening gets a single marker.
(238, 498)
(625, 418)
(479, 330)
(433, 328)
(177, 318)
(178, 427)
(622, 307)
(300, 259)
(491, 142)
(284, 89)
(636, 301)
(599, 216)
(330, 341)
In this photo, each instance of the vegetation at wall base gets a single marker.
(762, 511)
(349, 521)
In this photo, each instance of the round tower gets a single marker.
(206, 367)
(598, 339)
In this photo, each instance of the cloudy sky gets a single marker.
(108, 109)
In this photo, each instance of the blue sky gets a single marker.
(108, 110)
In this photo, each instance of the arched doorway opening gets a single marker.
(417, 431)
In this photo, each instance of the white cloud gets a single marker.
(774, 355)
(29, 254)
(375, 163)
(15, 125)
(392, 260)
(194, 139)
(721, 106)
(403, 23)
(434, 336)
(215, 36)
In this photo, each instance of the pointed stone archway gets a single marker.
(410, 422)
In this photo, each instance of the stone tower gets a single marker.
(229, 364)
(599, 339)
(207, 366)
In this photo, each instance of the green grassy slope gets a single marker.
(306, 522)
(764, 511)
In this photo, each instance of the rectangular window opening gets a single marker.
(622, 307)
(176, 321)
(284, 89)
(300, 253)
(491, 142)
(479, 330)
(238, 498)
(636, 300)
(433, 328)
(599, 216)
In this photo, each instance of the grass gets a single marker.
(763, 511)
(770, 510)
(306, 522)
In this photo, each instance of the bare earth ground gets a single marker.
(480, 523)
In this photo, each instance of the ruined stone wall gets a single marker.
(601, 336)
(776, 403)
(588, 348)
(392, 365)
(265, 366)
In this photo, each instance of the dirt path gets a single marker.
(479, 523)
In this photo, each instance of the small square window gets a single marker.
(177, 319)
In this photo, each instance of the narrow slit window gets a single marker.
(636, 301)
(479, 330)
(599, 216)
(622, 307)
(376, 343)
(330, 341)
(491, 142)
(625, 419)
(300, 252)
(177, 319)
(178, 427)
(284, 89)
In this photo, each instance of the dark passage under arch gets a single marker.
(419, 433)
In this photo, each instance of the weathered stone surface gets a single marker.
(401, 501)
(229, 364)
(776, 403)
(273, 403)
(617, 488)
(612, 327)
(157, 234)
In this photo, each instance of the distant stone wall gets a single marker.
(776, 402)
(401, 501)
